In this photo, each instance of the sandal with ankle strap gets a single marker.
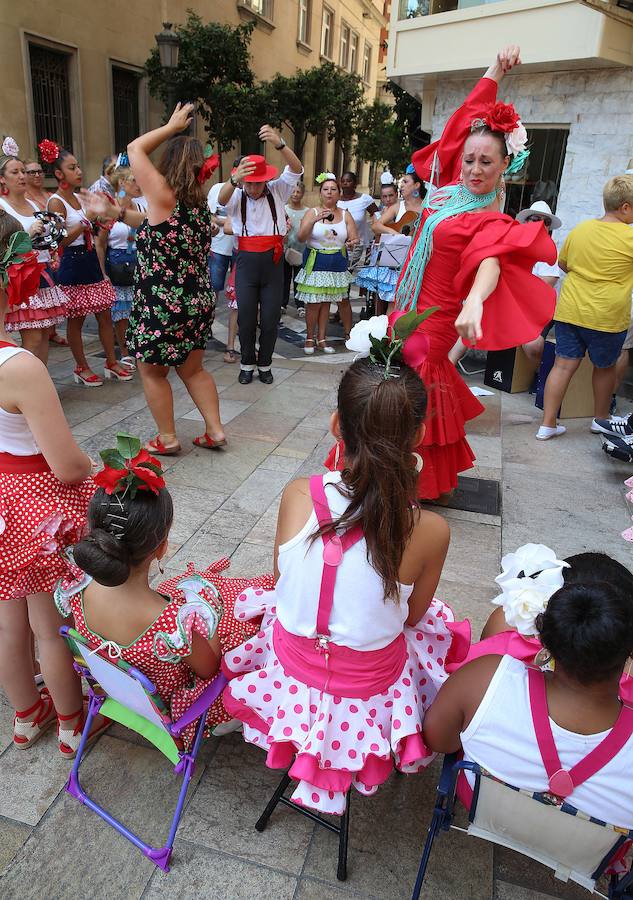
(208, 443)
(25, 734)
(157, 447)
(70, 738)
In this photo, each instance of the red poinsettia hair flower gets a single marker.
(110, 479)
(208, 168)
(24, 278)
(49, 151)
(129, 468)
(502, 117)
(151, 480)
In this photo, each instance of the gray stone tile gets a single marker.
(506, 891)
(397, 817)
(230, 798)
(201, 551)
(281, 462)
(192, 508)
(253, 424)
(290, 397)
(229, 410)
(487, 449)
(221, 471)
(32, 779)
(303, 438)
(138, 786)
(198, 872)
(468, 600)
(12, 838)
(252, 559)
(311, 889)
(474, 553)
(265, 528)
(259, 490)
(524, 874)
(6, 724)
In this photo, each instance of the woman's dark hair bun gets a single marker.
(104, 557)
(108, 558)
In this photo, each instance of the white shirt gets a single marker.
(259, 220)
(222, 243)
(357, 210)
(15, 434)
(361, 618)
(26, 222)
(501, 738)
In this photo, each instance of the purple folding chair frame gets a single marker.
(160, 856)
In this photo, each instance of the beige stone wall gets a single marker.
(122, 32)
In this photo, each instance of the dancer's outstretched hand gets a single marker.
(468, 322)
(181, 117)
(509, 57)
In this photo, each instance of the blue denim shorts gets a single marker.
(218, 267)
(573, 341)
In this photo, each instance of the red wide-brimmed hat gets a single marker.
(262, 172)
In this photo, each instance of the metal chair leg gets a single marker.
(261, 823)
(343, 837)
(434, 828)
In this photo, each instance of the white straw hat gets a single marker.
(541, 209)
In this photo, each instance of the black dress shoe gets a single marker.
(266, 377)
(246, 376)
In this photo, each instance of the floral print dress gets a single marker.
(174, 305)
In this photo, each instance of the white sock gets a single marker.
(545, 432)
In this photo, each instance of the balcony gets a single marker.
(460, 37)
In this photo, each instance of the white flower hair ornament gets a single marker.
(326, 176)
(390, 340)
(10, 147)
(529, 578)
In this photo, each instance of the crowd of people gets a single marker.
(342, 664)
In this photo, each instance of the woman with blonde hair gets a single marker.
(173, 305)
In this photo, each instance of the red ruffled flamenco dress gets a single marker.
(516, 311)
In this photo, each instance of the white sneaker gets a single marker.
(545, 432)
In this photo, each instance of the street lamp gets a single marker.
(168, 49)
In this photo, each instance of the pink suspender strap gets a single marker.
(333, 549)
(562, 782)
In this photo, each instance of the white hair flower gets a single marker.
(528, 579)
(10, 147)
(516, 141)
(358, 340)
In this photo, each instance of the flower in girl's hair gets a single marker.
(49, 151)
(129, 468)
(10, 147)
(19, 269)
(528, 580)
(389, 340)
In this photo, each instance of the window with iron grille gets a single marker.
(51, 95)
(540, 179)
(125, 107)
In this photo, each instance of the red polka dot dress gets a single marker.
(40, 517)
(339, 701)
(193, 603)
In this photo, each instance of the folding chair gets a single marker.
(574, 845)
(342, 829)
(128, 697)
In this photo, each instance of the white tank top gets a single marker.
(361, 617)
(15, 434)
(401, 211)
(501, 738)
(328, 235)
(73, 217)
(26, 222)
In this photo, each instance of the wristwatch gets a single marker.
(233, 181)
(280, 145)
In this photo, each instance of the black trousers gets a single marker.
(259, 284)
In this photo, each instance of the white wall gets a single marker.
(597, 106)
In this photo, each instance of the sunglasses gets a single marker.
(34, 171)
(547, 221)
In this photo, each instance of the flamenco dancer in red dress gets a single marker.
(474, 264)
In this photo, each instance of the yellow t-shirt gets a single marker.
(596, 293)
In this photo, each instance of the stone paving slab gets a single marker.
(226, 504)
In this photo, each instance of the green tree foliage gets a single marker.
(380, 139)
(322, 98)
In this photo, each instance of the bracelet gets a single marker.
(233, 181)
(281, 145)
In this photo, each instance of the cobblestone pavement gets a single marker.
(566, 493)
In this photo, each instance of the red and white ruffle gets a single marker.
(86, 299)
(44, 309)
(335, 741)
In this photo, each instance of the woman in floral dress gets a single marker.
(173, 307)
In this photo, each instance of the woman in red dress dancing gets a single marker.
(472, 262)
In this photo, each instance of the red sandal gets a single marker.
(208, 443)
(25, 734)
(89, 380)
(70, 738)
(157, 447)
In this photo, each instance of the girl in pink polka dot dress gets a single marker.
(352, 646)
(175, 635)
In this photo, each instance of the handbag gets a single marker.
(293, 257)
(120, 266)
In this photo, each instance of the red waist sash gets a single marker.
(261, 243)
(358, 674)
(22, 465)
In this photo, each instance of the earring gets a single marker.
(64, 185)
(161, 567)
(4, 190)
(416, 194)
(501, 190)
(337, 454)
(544, 660)
(461, 177)
(419, 462)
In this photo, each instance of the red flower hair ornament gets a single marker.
(49, 151)
(502, 117)
(128, 468)
(209, 166)
(19, 269)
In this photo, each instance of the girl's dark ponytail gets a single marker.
(379, 418)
